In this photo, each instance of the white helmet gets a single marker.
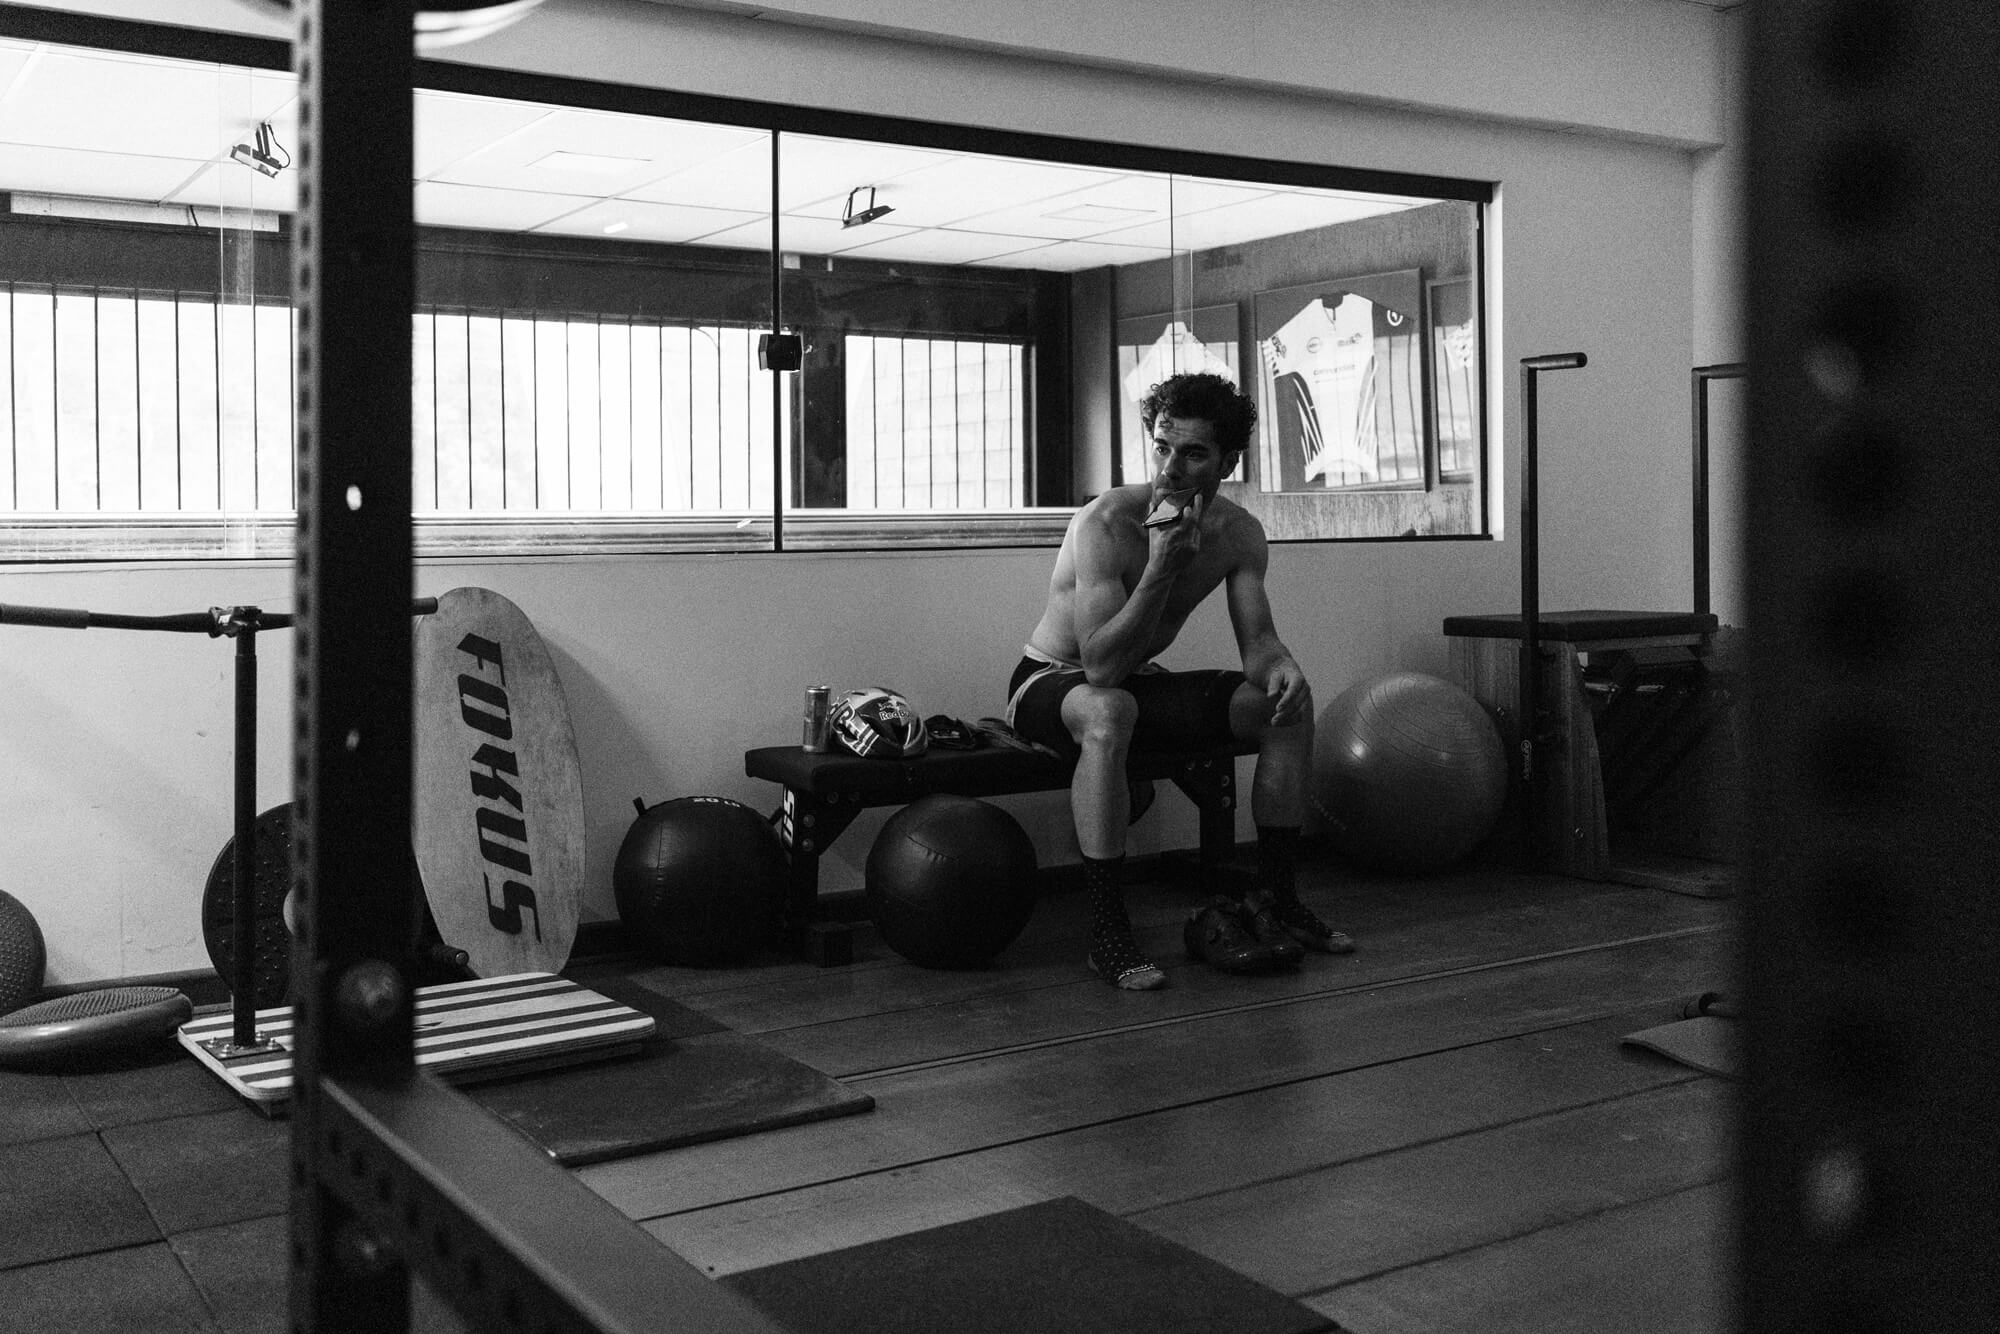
(878, 724)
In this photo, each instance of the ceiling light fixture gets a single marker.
(261, 157)
(849, 218)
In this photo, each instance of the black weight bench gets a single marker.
(824, 792)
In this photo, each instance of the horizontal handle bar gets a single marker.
(56, 616)
(67, 619)
(214, 621)
(1554, 361)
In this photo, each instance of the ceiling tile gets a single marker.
(1070, 256)
(820, 171)
(965, 187)
(15, 56)
(96, 175)
(441, 204)
(450, 126)
(809, 236)
(638, 220)
(1118, 202)
(1194, 194)
(133, 104)
(938, 245)
(655, 148)
(1275, 214)
(739, 178)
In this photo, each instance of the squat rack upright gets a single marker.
(391, 1170)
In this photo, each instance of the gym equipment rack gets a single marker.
(391, 1170)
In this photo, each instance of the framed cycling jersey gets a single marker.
(1341, 377)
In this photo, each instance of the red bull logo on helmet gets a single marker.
(876, 723)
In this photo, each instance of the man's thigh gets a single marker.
(1177, 710)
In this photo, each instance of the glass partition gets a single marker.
(608, 294)
(591, 291)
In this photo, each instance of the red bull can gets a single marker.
(818, 714)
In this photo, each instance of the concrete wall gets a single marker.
(114, 747)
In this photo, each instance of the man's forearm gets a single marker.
(1122, 644)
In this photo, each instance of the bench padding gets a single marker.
(1575, 627)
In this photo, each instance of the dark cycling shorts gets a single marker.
(1177, 710)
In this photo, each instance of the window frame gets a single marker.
(228, 536)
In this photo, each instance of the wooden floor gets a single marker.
(1438, 1133)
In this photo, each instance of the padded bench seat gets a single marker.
(1602, 629)
(823, 792)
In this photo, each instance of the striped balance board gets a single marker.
(486, 1027)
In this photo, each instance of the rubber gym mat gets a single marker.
(35, 1105)
(199, 1171)
(63, 1197)
(690, 1082)
(1048, 1268)
(1706, 1043)
(135, 1290)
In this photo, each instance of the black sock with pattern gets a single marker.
(1278, 859)
(1113, 951)
(1277, 876)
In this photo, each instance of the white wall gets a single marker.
(114, 753)
(1718, 321)
(1629, 67)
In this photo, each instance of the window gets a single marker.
(133, 402)
(980, 316)
(934, 424)
(521, 414)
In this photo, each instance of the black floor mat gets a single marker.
(692, 1081)
(1049, 1268)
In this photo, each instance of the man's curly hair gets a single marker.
(1212, 398)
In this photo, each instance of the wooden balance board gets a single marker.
(498, 821)
(488, 1027)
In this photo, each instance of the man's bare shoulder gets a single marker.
(1130, 501)
(1238, 528)
(1120, 507)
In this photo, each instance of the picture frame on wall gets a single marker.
(1341, 385)
(1454, 376)
(1153, 347)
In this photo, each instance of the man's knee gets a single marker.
(1250, 716)
(1100, 715)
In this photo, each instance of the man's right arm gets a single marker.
(1115, 629)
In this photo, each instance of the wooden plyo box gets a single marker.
(1569, 817)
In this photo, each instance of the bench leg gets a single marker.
(808, 826)
(1211, 786)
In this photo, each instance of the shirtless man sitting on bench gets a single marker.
(1129, 573)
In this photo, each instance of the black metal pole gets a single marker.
(1699, 381)
(1699, 465)
(1529, 709)
(1529, 682)
(243, 925)
(781, 446)
(354, 286)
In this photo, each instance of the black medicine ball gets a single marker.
(700, 880)
(950, 881)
